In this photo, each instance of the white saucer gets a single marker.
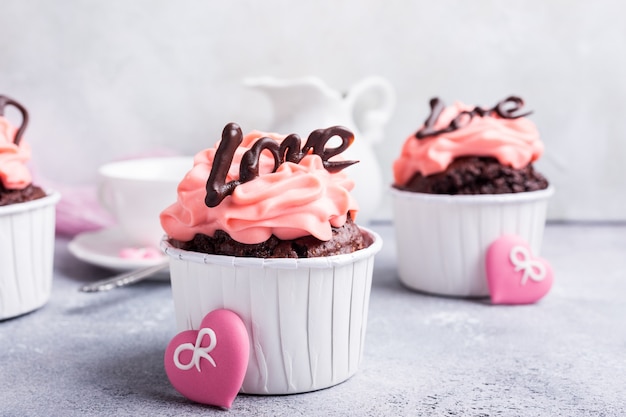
(102, 248)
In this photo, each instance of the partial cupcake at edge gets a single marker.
(264, 225)
(463, 179)
(27, 222)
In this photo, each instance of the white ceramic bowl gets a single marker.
(135, 191)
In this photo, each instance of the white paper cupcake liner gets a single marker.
(26, 255)
(442, 239)
(306, 318)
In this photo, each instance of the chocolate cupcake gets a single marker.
(27, 222)
(461, 181)
(265, 226)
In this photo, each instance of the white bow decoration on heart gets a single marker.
(199, 351)
(534, 270)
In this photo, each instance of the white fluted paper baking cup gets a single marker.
(26, 255)
(306, 318)
(442, 239)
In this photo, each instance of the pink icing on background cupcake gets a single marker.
(13, 171)
(512, 141)
(298, 199)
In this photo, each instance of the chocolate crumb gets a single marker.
(477, 175)
(31, 192)
(346, 239)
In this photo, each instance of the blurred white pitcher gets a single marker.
(135, 191)
(302, 105)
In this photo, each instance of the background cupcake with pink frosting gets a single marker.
(464, 179)
(27, 220)
(264, 226)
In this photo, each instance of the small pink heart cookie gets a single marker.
(208, 365)
(514, 275)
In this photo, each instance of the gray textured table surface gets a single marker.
(101, 354)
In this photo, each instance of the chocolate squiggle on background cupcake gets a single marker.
(502, 109)
(15, 178)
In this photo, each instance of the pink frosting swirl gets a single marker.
(297, 200)
(513, 142)
(13, 171)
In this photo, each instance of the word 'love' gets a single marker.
(505, 109)
(287, 151)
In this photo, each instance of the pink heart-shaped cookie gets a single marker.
(208, 365)
(514, 274)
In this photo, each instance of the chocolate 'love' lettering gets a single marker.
(505, 109)
(5, 101)
(287, 151)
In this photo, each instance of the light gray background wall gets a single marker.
(108, 79)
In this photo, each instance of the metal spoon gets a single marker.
(126, 278)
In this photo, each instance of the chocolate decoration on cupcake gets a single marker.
(506, 109)
(288, 151)
(4, 102)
